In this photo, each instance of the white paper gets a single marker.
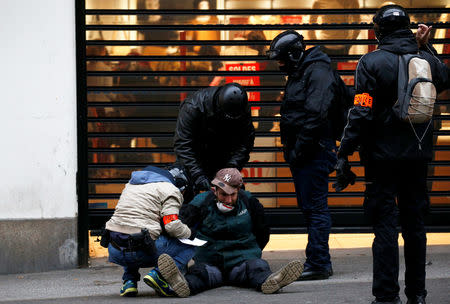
(194, 242)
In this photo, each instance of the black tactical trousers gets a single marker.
(396, 193)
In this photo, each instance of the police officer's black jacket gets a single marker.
(380, 134)
(205, 141)
(309, 92)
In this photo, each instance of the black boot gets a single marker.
(416, 300)
(313, 274)
(394, 301)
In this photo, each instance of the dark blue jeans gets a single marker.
(131, 261)
(311, 187)
(249, 274)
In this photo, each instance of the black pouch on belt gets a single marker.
(145, 241)
(105, 238)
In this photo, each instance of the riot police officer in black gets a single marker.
(208, 119)
(395, 163)
(308, 144)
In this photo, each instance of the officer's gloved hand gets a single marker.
(292, 158)
(344, 175)
(202, 184)
(232, 164)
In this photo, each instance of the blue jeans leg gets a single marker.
(131, 261)
(311, 186)
(251, 273)
(181, 253)
(201, 277)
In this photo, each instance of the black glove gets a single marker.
(344, 175)
(231, 164)
(290, 156)
(202, 184)
(148, 243)
(301, 154)
(193, 233)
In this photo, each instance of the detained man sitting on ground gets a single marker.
(231, 220)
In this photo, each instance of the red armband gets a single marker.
(169, 218)
(363, 100)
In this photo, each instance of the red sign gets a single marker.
(291, 19)
(245, 80)
(238, 20)
(348, 80)
(347, 65)
(242, 67)
(252, 172)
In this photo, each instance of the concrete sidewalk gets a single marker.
(101, 282)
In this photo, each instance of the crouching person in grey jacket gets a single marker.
(145, 225)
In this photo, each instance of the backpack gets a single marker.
(416, 92)
(341, 104)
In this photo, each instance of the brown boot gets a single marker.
(173, 276)
(285, 276)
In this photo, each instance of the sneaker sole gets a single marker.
(173, 276)
(151, 282)
(282, 277)
(130, 292)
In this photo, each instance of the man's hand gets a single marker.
(344, 175)
(291, 157)
(423, 34)
(202, 184)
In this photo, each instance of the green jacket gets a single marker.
(231, 236)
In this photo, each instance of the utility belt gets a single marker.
(129, 242)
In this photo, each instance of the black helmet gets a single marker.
(232, 101)
(390, 18)
(178, 173)
(289, 47)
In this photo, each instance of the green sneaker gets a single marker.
(156, 281)
(129, 289)
(173, 276)
(285, 276)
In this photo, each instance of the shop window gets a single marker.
(141, 64)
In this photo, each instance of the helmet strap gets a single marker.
(298, 60)
(295, 62)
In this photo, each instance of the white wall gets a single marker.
(38, 106)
